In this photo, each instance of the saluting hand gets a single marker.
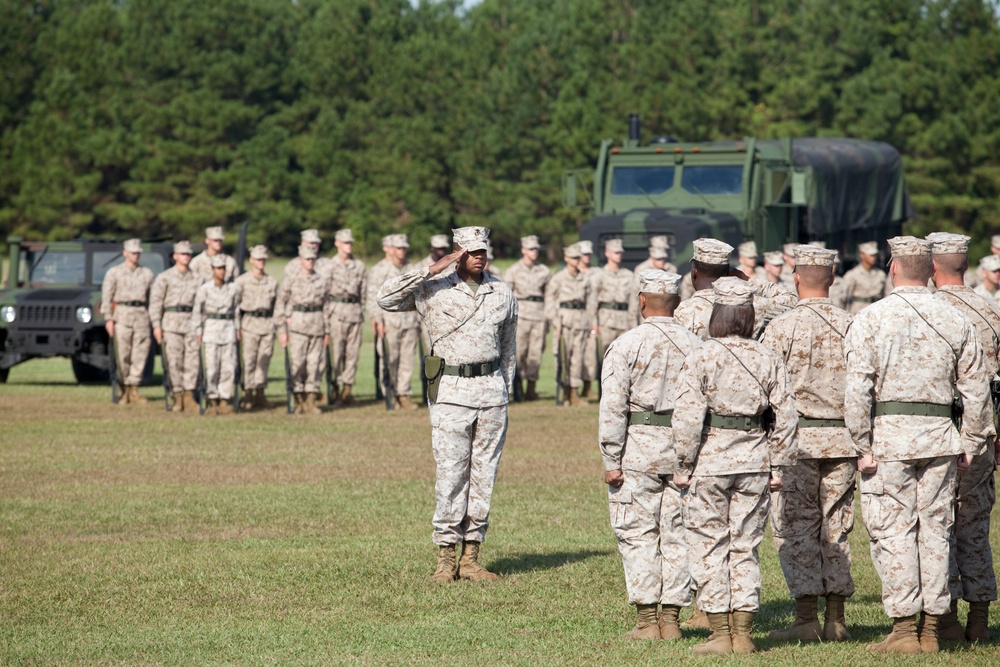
(437, 267)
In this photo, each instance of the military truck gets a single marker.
(839, 191)
(50, 304)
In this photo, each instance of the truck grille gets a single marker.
(39, 314)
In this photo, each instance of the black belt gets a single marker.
(650, 418)
(573, 305)
(132, 304)
(809, 422)
(346, 299)
(886, 408)
(307, 309)
(739, 423)
(865, 299)
(613, 305)
(534, 299)
(178, 309)
(257, 313)
(472, 370)
(219, 316)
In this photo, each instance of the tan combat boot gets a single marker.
(720, 642)
(834, 624)
(977, 627)
(211, 407)
(697, 621)
(469, 567)
(949, 629)
(405, 403)
(902, 639)
(646, 624)
(805, 628)
(345, 395)
(585, 392)
(310, 407)
(124, 394)
(190, 404)
(223, 407)
(178, 401)
(135, 397)
(447, 568)
(743, 631)
(669, 629)
(300, 403)
(246, 403)
(928, 633)
(574, 398)
(259, 399)
(531, 394)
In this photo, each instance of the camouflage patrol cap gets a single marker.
(789, 248)
(132, 245)
(733, 292)
(654, 281)
(259, 252)
(586, 247)
(530, 242)
(218, 261)
(710, 251)
(471, 239)
(344, 236)
(810, 255)
(657, 252)
(944, 243)
(659, 242)
(990, 263)
(995, 241)
(440, 241)
(869, 248)
(305, 252)
(614, 245)
(776, 258)
(310, 236)
(396, 241)
(909, 246)
(817, 244)
(572, 251)
(215, 234)
(183, 248)
(748, 249)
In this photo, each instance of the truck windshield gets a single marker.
(641, 180)
(105, 259)
(713, 180)
(53, 267)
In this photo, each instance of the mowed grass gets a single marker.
(130, 536)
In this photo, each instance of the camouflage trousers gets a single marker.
(183, 359)
(402, 344)
(646, 517)
(971, 575)
(530, 347)
(257, 350)
(467, 444)
(345, 349)
(909, 511)
(307, 359)
(590, 352)
(220, 370)
(132, 345)
(811, 518)
(574, 342)
(724, 518)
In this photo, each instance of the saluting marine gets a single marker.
(215, 321)
(258, 296)
(528, 279)
(124, 305)
(303, 329)
(171, 301)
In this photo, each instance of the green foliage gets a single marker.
(152, 117)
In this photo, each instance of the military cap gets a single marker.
(995, 241)
(869, 248)
(218, 261)
(344, 236)
(586, 248)
(440, 241)
(944, 243)
(259, 252)
(132, 245)
(530, 242)
(396, 241)
(572, 251)
(789, 248)
(810, 255)
(817, 244)
(656, 252)
(659, 242)
(489, 251)
(305, 252)
(215, 234)
(990, 263)
(471, 238)
(614, 245)
(776, 258)
(733, 292)
(909, 246)
(748, 249)
(310, 236)
(654, 281)
(710, 251)
(183, 248)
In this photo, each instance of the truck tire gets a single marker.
(87, 374)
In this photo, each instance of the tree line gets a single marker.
(161, 117)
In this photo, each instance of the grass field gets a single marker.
(135, 537)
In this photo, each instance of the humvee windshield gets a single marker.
(713, 179)
(641, 180)
(105, 259)
(55, 267)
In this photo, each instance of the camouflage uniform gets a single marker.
(125, 300)
(617, 306)
(647, 264)
(770, 301)
(301, 299)
(322, 267)
(908, 504)
(401, 327)
(570, 306)
(345, 315)
(469, 418)
(687, 287)
(201, 265)
(863, 287)
(216, 318)
(725, 507)
(812, 515)
(528, 285)
(171, 301)
(983, 291)
(257, 302)
(639, 375)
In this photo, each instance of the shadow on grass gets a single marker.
(530, 562)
